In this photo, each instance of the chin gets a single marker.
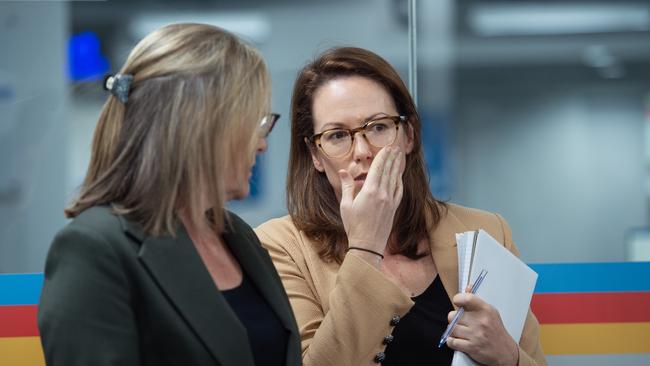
(239, 193)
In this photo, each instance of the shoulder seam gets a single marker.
(96, 235)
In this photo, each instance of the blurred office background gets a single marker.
(537, 110)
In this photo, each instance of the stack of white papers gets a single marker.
(508, 285)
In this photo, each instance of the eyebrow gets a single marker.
(335, 125)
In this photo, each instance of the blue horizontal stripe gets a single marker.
(592, 277)
(20, 289)
(25, 289)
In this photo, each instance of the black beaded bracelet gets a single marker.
(367, 250)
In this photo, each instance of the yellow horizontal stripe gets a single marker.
(600, 338)
(21, 351)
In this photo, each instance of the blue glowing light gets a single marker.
(85, 61)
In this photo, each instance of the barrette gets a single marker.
(119, 85)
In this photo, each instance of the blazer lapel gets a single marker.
(444, 252)
(260, 273)
(178, 269)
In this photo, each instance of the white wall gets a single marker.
(33, 134)
(562, 161)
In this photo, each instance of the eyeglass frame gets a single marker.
(315, 139)
(263, 123)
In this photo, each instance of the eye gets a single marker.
(379, 126)
(336, 135)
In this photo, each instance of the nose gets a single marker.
(361, 149)
(262, 145)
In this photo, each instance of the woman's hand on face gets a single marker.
(368, 217)
(480, 333)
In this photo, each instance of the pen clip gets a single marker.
(478, 281)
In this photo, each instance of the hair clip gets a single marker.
(119, 85)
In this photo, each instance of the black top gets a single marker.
(415, 338)
(267, 336)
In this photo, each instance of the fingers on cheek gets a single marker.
(397, 168)
(377, 167)
(386, 152)
(390, 163)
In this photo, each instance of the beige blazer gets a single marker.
(345, 311)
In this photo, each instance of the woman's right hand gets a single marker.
(368, 217)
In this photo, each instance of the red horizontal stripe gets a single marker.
(18, 321)
(597, 307)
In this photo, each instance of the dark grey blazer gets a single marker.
(115, 296)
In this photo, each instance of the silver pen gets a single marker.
(461, 311)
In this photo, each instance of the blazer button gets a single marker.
(395, 320)
(387, 339)
(380, 357)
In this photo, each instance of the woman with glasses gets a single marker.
(152, 270)
(367, 254)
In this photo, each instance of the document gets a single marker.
(508, 285)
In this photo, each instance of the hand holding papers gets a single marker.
(509, 288)
(461, 311)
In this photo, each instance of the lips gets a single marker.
(361, 177)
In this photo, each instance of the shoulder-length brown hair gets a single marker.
(311, 200)
(195, 102)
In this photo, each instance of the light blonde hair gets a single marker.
(197, 96)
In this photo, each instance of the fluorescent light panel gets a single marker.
(507, 19)
(251, 26)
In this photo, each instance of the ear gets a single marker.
(409, 137)
(315, 158)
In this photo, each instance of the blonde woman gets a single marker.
(152, 270)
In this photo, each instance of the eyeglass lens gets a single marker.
(378, 133)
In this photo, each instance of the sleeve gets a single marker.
(530, 348)
(361, 306)
(85, 315)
